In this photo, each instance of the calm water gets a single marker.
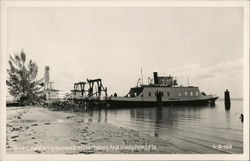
(194, 129)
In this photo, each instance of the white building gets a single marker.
(54, 94)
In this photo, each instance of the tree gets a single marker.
(21, 78)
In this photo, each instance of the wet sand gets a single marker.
(39, 130)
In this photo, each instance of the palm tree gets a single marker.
(21, 78)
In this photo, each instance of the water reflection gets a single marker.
(105, 116)
(158, 121)
(189, 126)
(99, 115)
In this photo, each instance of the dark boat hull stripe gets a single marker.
(118, 103)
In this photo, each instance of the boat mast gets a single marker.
(141, 76)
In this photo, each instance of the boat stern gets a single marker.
(213, 99)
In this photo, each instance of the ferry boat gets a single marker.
(164, 91)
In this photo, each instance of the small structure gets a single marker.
(48, 87)
(51, 94)
(94, 95)
(79, 91)
(99, 90)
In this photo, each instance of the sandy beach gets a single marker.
(39, 130)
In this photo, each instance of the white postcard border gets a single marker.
(243, 4)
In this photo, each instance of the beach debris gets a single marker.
(84, 130)
(74, 140)
(32, 137)
(84, 143)
(33, 124)
(13, 129)
(87, 152)
(13, 137)
(68, 117)
(18, 117)
(64, 106)
(46, 123)
(37, 151)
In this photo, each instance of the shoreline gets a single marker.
(40, 130)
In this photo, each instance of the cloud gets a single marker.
(200, 71)
(214, 78)
(113, 44)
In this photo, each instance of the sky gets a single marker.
(202, 44)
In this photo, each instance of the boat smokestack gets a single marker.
(155, 78)
(46, 74)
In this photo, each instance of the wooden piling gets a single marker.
(227, 99)
(242, 118)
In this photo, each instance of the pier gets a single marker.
(94, 95)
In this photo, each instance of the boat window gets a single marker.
(162, 94)
(191, 93)
(168, 93)
(186, 93)
(179, 93)
(149, 94)
(197, 93)
(155, 93)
